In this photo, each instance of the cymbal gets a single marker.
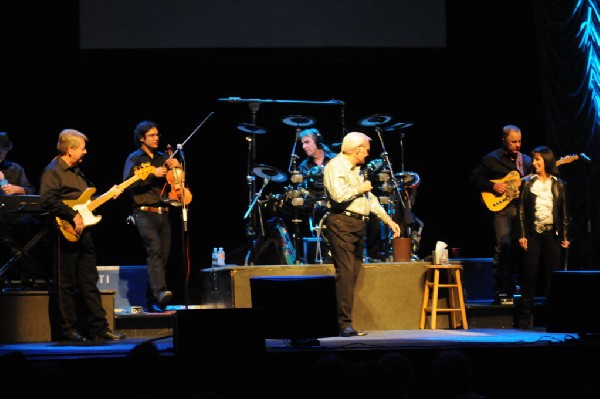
(250, 128)
(397, 126)
(375, 120)
(299, 121)
(269, 172)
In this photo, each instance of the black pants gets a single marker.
(541, 259)
(155, 231)
(76, 278)
(346, 240)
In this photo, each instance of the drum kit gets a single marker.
(395, 190)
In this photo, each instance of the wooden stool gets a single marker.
(455, 288)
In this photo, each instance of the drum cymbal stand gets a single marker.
(394, 186)
(412, 226)
(253, 130)
(296, 178)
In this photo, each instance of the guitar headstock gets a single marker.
(567, 159)
(144, 170)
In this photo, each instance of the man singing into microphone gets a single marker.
(350, 205)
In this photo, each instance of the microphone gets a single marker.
(180, 149)
(397, 126)
(585, 157)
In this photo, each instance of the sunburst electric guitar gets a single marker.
(496, 202)
(86, 206)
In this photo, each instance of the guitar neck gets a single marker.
(102, 199)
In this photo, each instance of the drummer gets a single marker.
(311, 168)
(317, 156)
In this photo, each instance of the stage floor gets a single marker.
(374, 340)
(555, 365)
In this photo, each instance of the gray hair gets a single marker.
(353, 140)
(69, 138)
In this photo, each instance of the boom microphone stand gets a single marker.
(184, 213)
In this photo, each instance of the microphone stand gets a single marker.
(184, 214)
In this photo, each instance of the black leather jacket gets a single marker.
(527, 208)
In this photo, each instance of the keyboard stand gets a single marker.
(19, 252)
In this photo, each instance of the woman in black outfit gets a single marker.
(543, 231)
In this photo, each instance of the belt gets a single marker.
(353, 215)
(541, 228)
(160, 209)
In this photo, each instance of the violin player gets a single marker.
(150, 203)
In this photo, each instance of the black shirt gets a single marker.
(150, 191)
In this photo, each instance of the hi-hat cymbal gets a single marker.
(250, 128)
(269, 172)
(375, 120)
(299, 121)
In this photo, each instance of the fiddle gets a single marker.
(176, 179)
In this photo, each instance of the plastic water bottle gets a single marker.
(215, 257)
(221, 257)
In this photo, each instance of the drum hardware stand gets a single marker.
(20, 252)
(299, 122)
(406, 199)
(395, 186)
(256, 197)
(296, 179)
(319, 232)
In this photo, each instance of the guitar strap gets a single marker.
(520, 163)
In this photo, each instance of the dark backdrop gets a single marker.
(458, 97)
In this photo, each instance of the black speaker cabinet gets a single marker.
(572, 300)
(218, 332)
(296, 307)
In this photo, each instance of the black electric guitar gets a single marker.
(86, 206)
(496, 202)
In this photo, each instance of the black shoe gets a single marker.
(156, 308)
(351, 332)
(165, 297)
(73, 336)
(110, 335)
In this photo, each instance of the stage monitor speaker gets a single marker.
(296, 307)
(224, 332)
(572, 301)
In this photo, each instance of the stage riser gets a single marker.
(145, 325)
(388, 298)
(27, 316)
(388, 295)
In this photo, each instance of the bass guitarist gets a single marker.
(74, 262)
(497, 177)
